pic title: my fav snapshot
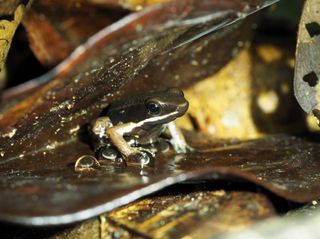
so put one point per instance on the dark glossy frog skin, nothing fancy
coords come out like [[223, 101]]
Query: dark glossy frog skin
[[140, 120]]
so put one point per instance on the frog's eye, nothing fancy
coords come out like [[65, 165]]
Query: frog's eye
[[153, 107]]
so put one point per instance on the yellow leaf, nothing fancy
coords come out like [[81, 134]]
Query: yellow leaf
[[7, 30]]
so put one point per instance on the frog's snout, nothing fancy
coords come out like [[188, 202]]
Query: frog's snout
[[183, 107]]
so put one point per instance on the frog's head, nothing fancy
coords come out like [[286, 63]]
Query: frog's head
[[165, 106], [159, 107]]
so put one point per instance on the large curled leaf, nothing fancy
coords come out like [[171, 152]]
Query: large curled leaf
[[173, 44], [45, 189], [144, 51]]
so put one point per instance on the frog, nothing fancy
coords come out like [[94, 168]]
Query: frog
[[133, 124]]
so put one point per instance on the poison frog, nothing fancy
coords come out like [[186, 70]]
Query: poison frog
[[131, 123]]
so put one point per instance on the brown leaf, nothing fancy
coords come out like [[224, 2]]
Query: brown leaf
[[43, 135], [55, 27], [144, 51], [44, 188]]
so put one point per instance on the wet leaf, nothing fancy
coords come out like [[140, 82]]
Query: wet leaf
[[200, 211], [34, 189], [144, 51]]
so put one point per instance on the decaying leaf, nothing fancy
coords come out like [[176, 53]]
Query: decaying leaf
[[307, 71], [8, 28], [68, 23], [190, 210], [140, 4], [199, 214], [202, 214]]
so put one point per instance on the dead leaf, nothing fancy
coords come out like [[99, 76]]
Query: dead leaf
[[7, 30], [307, 71]]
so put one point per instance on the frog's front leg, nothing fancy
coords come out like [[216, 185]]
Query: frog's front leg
[[98, 130], [116, 136], [177, 139]]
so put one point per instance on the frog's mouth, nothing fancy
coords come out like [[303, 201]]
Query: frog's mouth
[[182, 108]]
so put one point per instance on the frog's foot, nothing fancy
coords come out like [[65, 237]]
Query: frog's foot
[[181, 148], [150, 149], [142, 158], [177, 140]]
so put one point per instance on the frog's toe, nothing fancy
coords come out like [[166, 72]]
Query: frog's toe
[[189, 149], [182, 149]]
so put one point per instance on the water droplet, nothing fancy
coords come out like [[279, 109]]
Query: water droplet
[[143, 159], [86, 163], [110, 155]]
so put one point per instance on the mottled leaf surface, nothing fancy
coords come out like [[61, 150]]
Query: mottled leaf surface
[[307, 70]]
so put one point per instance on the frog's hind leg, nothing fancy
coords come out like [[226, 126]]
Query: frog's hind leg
[[116, 133]]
